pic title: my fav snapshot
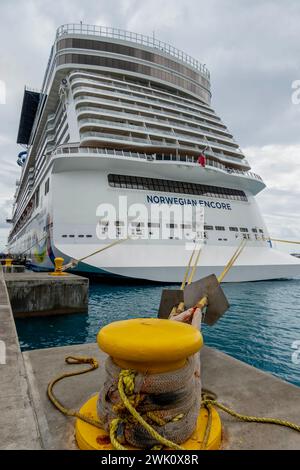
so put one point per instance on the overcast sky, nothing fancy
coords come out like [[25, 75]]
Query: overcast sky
[[251, 48]]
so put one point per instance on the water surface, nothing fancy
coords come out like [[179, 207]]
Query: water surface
[[259, 328]]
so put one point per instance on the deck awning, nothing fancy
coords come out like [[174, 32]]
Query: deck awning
[[31, 100]]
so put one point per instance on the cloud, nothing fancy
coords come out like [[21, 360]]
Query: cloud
[[251, 48], [279, 166]]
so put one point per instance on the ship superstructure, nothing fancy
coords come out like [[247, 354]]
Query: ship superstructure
[[123, 114]]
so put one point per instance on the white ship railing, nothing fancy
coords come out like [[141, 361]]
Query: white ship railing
[[116, 33], [127, 115], [71, 150], [155, 130]]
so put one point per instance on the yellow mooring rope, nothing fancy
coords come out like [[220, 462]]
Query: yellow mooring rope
[[68, 411], [252, 419], [75, 262], [126, 385], [284, 241], [126, 391]]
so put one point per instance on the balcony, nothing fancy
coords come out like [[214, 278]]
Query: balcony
[[92, 93], [69, 150], [127, 90], [145, 120], [156, 132], [155, 112]]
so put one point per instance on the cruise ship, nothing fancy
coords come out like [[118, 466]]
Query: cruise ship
[[122, 115]]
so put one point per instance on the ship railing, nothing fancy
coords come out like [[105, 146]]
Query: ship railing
[[84, 77], [148, 41], [145, 130], [168, 108], [156, 130], [71, 150], [143, 108], [152, 100]]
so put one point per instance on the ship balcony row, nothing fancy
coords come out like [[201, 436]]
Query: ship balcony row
[[130, 91], [90, 127], [66, 150], [89, 92], [91, 138], [89, 77], [146, 125], [88, 102], [182, 124]]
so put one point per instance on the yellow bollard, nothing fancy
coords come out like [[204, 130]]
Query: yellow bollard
[[8, 262], [58, 267], [152, 346]]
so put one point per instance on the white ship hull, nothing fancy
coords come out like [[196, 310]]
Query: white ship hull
[[68, 216]]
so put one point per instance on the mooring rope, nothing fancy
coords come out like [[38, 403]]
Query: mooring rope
[[126, 389], [176, 310], [284, 241], [75, 262], [68, 411], [32, 246]]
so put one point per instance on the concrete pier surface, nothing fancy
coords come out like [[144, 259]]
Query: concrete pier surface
[[33, 294], [245, 389], [18, 425]]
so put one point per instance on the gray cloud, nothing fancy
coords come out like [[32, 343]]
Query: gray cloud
[[250, 46]]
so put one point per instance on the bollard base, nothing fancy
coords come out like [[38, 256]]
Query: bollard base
[[89, 437], [58, 274]]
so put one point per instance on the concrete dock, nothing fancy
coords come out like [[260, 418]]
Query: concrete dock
[[29, 421], [14, 268], [239, 386], [18, 424], [33, 294]]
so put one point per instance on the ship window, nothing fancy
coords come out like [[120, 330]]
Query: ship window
[[171, 225], [37, 197], [261, 231], [143, 69], [47, 187], [170, 186], [153, 224], [64, 236], [187, 226], [137, 224], [219, 227], [233, 229], [80, 236], [89, 236], [254, 230], [243, 229], [71, 236], [208, 227]]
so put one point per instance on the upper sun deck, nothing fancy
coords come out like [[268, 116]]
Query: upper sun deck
[[131, 54], [141, 39]]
